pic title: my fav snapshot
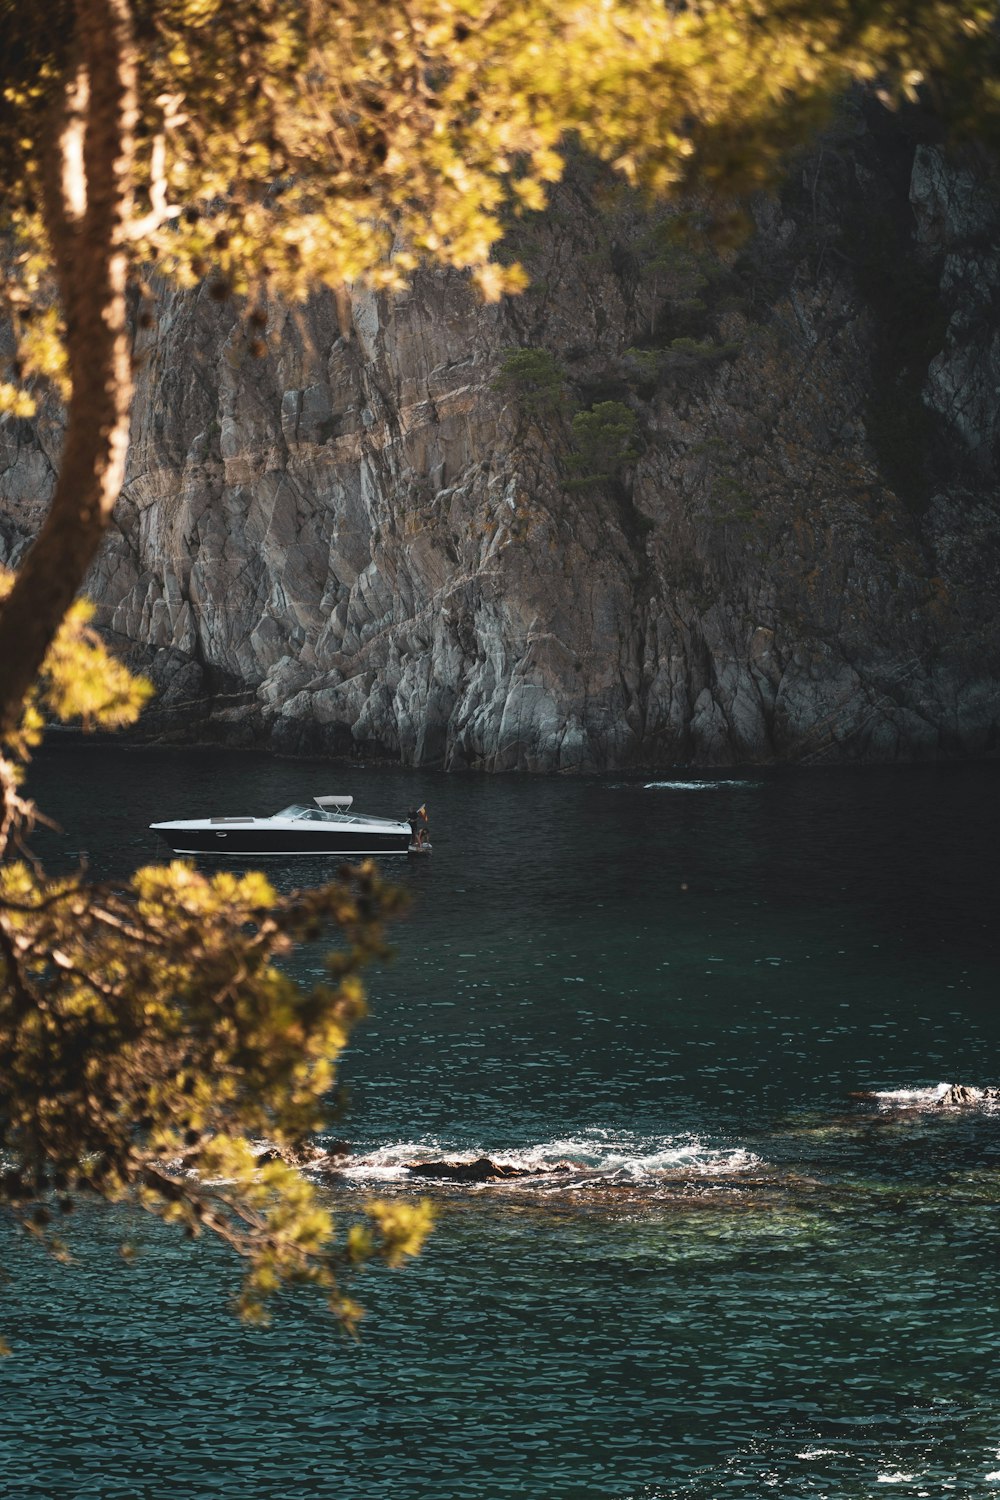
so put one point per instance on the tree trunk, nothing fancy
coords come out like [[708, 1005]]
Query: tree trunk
[[86, 202]]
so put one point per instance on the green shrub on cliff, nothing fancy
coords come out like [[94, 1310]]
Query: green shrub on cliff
[[682, 356], [604, 441], [535, 377]]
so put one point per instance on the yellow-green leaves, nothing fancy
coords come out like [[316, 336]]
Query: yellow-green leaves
[[14, 401], [80, 680], [403, 1227], [300, 144]]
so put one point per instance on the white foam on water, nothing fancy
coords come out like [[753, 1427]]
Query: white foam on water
[[911, 1098], [388, 1163], [603, 1154], [620, 1153], [694, 786], [897, 1478], [821, 1453], [930, 1098]]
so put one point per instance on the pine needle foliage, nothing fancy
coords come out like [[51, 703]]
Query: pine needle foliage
[[286, 144], [605, 439], [535, 379]]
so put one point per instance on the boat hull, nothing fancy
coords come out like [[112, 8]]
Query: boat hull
[[260, 843]]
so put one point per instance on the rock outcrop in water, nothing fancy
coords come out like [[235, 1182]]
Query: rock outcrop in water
[[360, 544], [962, 1096], [483, 1169], [305, 1156], [946, 1096]]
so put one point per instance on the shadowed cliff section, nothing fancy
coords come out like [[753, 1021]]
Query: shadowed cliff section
[[369, 542]]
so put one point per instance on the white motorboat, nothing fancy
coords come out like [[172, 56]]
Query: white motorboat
[[328, 827]]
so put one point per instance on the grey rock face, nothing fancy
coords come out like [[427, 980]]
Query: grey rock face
[[359, 543]]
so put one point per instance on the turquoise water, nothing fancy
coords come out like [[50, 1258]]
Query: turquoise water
[[751, 1284]]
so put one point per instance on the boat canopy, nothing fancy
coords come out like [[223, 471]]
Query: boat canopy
[[339, 804]]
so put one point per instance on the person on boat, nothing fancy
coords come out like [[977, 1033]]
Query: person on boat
[[418, 825]]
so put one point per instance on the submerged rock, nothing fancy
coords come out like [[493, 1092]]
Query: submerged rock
[[304, 1155], [484, 1169]]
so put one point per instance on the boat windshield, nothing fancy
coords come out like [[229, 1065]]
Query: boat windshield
[[301, 811]]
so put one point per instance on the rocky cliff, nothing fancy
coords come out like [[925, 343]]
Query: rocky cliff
[[776, 537]]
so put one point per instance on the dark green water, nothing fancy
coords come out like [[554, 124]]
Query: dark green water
[[751, 1286]]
